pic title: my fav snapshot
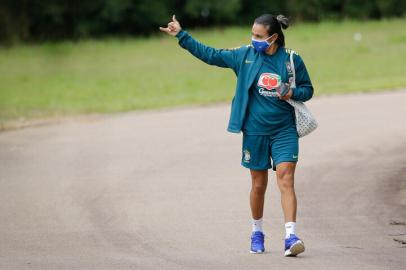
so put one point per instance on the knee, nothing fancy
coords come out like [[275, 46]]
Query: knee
[[285, 181], [259, 188], [259, 183]]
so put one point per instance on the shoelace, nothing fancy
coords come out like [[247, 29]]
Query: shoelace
[[257, 238]]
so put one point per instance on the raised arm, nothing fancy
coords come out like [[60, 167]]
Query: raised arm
[[226, 58]]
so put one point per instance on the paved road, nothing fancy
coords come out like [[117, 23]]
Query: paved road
[[164, 190]]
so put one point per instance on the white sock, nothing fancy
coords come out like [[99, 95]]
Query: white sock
[[290, 228], [257, 225]]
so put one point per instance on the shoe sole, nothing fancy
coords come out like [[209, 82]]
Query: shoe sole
[[295, 249], [257, 252]]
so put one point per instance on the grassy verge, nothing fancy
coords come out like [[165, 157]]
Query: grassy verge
[[120, 75]]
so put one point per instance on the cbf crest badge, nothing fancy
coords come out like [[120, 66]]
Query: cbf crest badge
[[289, 67], [247, 156]]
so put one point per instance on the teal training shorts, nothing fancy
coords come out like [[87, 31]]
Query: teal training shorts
[[262, 152]]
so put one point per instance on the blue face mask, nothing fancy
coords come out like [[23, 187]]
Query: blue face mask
[[261, 45]]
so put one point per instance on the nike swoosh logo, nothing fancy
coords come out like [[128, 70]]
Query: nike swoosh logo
[[294, 156], [248, 61]]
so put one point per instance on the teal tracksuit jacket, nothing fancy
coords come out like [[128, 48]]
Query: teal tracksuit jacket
[[246, 62]]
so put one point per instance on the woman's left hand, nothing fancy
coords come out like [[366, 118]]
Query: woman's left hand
[[287, 96]]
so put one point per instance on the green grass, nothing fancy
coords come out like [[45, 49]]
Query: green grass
[[119, 75]]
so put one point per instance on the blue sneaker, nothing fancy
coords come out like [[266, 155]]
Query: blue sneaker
[[293, 246], [257, 242]]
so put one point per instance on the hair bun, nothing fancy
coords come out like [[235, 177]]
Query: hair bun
[[283, 21]]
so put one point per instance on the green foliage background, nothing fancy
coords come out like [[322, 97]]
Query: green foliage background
[[38, 20], [113, 75]]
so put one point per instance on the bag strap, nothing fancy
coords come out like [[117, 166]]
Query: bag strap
[[292, 65]]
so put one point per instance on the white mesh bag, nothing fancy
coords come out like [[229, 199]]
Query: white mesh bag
[[305, 121]]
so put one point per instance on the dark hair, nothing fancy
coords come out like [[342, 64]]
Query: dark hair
[[274, 24]]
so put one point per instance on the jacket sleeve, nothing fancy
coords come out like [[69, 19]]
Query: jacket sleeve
[[304, 88], [226, 58]]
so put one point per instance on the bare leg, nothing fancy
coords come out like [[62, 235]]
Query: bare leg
[[285, 172], [257, 195]]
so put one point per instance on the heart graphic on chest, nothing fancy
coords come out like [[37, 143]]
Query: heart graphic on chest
[[269, 81]]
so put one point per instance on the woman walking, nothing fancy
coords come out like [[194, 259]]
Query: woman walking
[[260, 112]]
